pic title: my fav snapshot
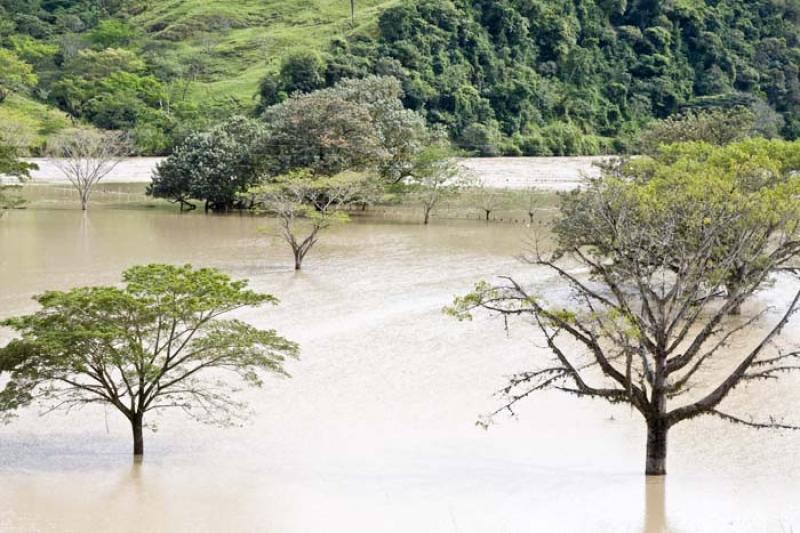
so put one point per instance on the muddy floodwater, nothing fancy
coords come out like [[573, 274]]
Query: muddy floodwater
[[375, 431]]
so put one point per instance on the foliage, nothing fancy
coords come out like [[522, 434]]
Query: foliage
[[644, 251], [306, 205], [11, 167], [302, 72], [753, 183], [716, 126], [158, 342], [355, 125], [436, 176], [604, 68], [15, 74], [584, 74], [213, 166]]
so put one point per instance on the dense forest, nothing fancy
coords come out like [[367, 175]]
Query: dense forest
[[533, 77]]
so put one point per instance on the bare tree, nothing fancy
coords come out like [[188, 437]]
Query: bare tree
[[643, 327], [87, 156], [488, 200], [305, 206], [531, 201]]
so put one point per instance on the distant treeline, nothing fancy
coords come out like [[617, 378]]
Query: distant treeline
[[532, 77], [555, 77]]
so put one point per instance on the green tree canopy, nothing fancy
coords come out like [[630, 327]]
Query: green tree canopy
[[213, 166], [357, 124], [644, 251], [158, 342]]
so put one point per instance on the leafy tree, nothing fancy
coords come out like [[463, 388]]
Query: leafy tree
[[305, 205], [604, 68], [356, 125], [481, 139], [213, 166], [158, 342], [15, 74], [716, 126], [112, 33], [643, 326], [759, 173], [302, 72]]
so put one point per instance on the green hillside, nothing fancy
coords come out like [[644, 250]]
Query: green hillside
[[241, 40], [533, 77], [32, 120]]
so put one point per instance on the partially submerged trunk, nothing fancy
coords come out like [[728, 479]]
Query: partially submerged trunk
[[656, 459], [137, 425], [733, 287], [733, 292], [427, 215], [298, 259]]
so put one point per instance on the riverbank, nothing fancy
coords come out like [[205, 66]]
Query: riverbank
[[513, 173]]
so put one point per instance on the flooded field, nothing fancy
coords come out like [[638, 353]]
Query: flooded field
[[376, 429]]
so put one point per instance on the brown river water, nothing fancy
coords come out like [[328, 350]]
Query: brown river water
[[375, 431]]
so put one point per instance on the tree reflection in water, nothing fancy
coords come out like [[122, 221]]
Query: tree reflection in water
[[655, 517]]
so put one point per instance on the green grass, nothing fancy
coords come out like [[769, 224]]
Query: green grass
[[32, 119], [240, 40]]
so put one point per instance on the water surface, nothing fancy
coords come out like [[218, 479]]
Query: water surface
[[375, 432]]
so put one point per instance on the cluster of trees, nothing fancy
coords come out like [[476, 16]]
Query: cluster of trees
[[311, 155], [559, 78], [673, 245]]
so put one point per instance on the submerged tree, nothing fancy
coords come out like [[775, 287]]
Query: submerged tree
[[305, 206], [159, 342], [214, 166], [763, 171], [435, 176], [644, 327], [487, 200], [87, 156]]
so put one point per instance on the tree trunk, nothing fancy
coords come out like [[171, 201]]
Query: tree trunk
[[427, 216], [138, 436], [733, 287], [733, 293], [298, 260], [84, 201], [656, 464]]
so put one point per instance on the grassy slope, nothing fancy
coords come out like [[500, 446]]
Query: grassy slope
[[243, 39], [31, 118]]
